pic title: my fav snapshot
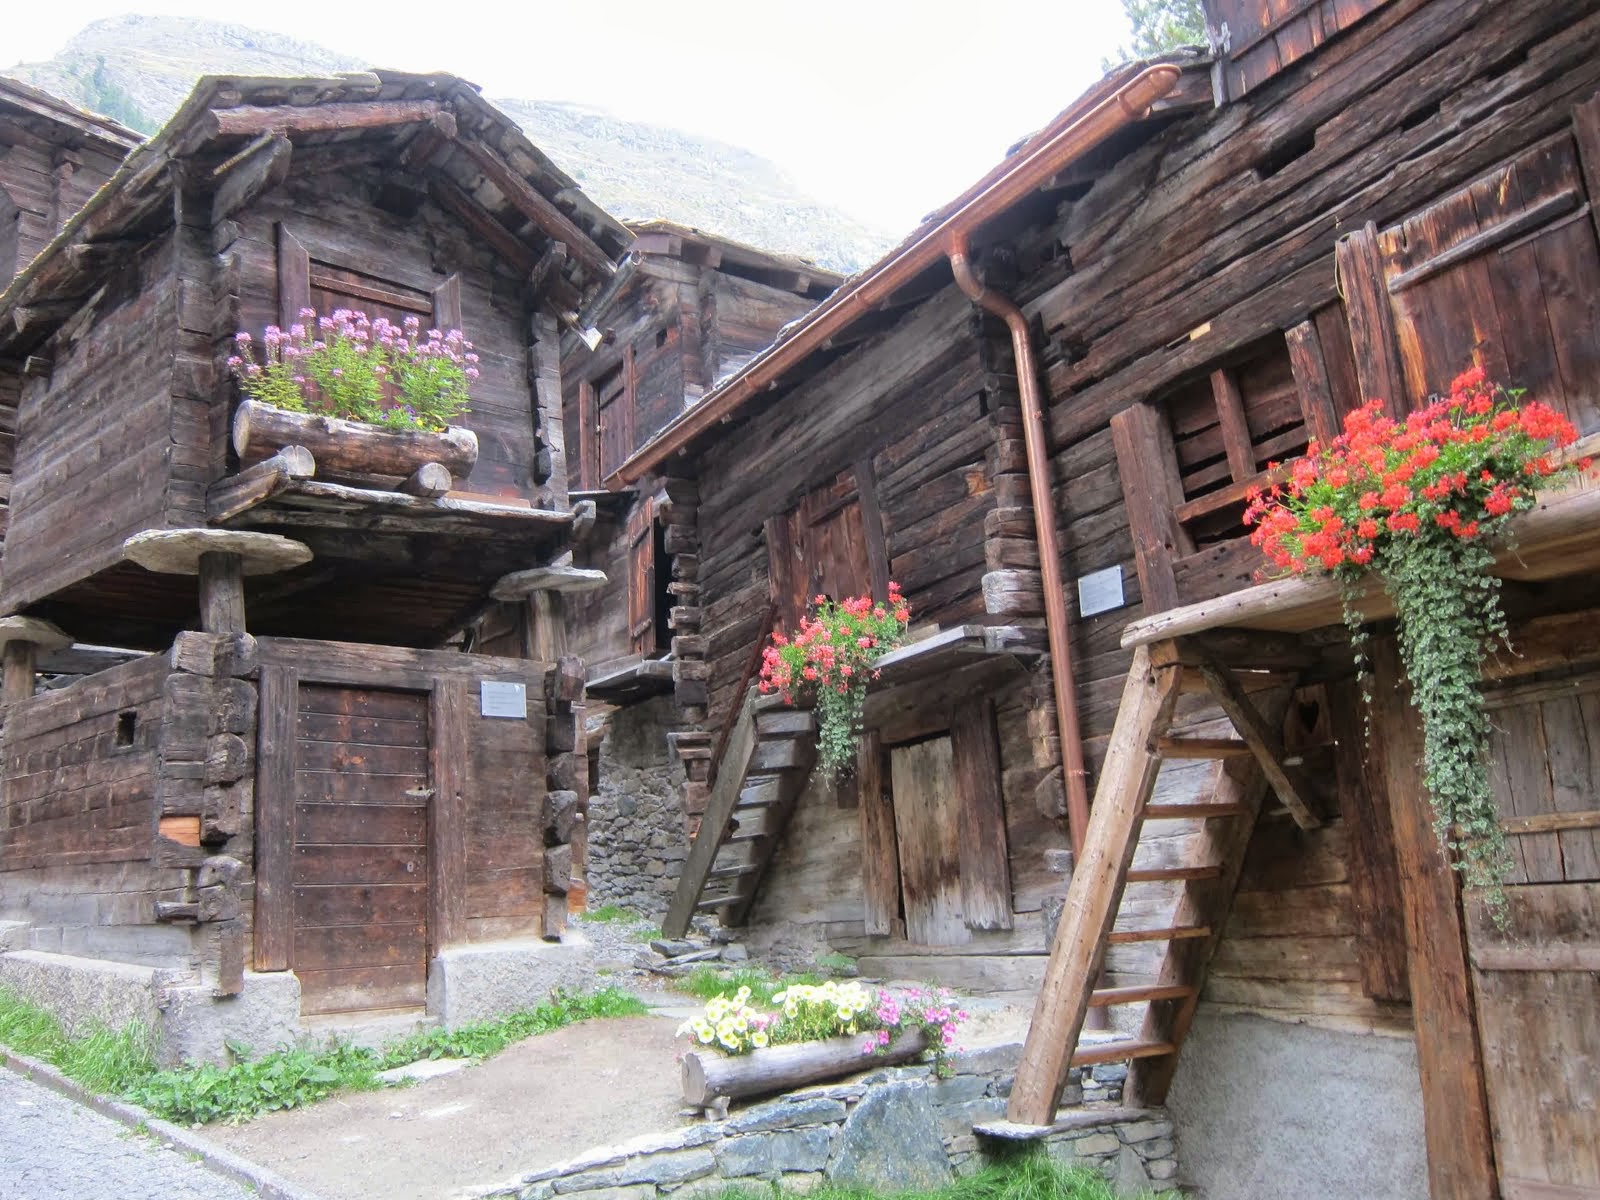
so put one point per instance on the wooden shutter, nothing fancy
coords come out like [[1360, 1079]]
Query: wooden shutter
[[294, 277], [614, 418], [642, 579], [1500, 274], [1265, 36]]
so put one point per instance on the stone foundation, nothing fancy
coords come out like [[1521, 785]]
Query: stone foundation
[[637, 836], [886, 1130]]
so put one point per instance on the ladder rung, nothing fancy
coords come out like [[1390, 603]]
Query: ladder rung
[[1105, 997], [753, 835], [719, 902], [1181, 812], [733, 872], [1120, 1051], [1182, 747], [1171, 933], [1158, 874]]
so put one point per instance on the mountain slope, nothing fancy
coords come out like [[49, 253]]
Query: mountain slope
[[138, 69]]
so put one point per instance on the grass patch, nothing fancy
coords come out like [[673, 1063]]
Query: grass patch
[[1029, 1175], [122, 1064], [708, 982], [612, 914]]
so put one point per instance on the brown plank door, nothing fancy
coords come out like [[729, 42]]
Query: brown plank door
[[360, 849], [1501, 274], [927, 823], [1537, 980]]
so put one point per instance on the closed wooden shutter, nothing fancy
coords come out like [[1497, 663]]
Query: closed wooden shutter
[[642, 579], [1501, 274], [1265, 36]]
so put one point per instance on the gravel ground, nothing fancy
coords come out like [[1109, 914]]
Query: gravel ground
[[55, 1149]]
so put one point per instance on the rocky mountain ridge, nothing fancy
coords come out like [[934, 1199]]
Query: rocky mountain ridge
[[138, 69]]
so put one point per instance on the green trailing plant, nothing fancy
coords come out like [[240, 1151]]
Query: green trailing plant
[[828, 663], [1422, 503]]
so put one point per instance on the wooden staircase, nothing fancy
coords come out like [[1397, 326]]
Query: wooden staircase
[[1246, 767], [767, 760]]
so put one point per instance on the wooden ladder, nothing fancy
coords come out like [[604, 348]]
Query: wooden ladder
[[1247, 766], [763, 769]]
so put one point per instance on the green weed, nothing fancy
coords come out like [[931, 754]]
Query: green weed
[[612, 914], [708, 982], [1025, 1176], [122, 1063]]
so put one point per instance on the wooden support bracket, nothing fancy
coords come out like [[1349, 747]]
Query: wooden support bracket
[[1288, 781]]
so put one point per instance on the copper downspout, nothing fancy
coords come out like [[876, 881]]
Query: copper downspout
[[1044, 517]]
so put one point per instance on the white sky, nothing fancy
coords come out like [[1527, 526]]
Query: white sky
[[884, 108]]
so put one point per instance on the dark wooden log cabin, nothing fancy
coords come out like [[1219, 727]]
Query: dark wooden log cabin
[[53, 157], [292, 776], [685, 310], [1338, 202]]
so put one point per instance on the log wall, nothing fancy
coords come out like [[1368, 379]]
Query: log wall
[[80, 818], [95, 444]]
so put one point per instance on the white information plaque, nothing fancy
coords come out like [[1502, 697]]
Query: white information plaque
[[1100, 591], [503, 699]]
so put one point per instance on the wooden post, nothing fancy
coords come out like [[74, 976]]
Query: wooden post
[[20, 658], [547, 626], [1455, 1109], [221, 593]]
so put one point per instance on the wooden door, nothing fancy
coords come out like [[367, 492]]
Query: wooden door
[[832, 545], [1537, 981], [927, 820], [1501, 274], [360, 849]]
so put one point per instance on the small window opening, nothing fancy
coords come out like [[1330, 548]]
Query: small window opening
[[127, 726], [1282, 156], [1420, 116], [661, 337]]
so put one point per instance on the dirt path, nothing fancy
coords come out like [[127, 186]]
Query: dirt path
[[542, 1100]]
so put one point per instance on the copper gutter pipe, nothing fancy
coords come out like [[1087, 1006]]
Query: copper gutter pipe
[[1056, 617], [1072, 134]]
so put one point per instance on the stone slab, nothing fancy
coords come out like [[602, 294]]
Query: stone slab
[[891, 1142]]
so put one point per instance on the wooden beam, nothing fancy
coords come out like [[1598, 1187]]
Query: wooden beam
[[1147, 465], [1359, 269], [1290, 784], [253, 172], [1310, 367], [1235, 428], [20, 659], [527, 200], [1455, 1109], [450, 757], [316, 118], [234, 494], [453, 200], [1565, 956], [1130, 769]]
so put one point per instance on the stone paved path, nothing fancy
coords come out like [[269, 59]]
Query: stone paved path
[[54, 1149]]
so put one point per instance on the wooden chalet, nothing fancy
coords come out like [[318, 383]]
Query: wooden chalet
[[1040, 415], [302, 786], [685, 310]]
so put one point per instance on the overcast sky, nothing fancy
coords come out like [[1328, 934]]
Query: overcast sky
[[885, 108]]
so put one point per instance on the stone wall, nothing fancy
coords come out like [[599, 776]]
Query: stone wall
[[637, 837], [886, 1130], [1268, 1109]]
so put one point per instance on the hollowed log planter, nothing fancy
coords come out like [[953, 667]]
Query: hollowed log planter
[[343, 447], [709, 1075]]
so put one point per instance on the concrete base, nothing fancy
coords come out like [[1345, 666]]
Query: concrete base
[[85, 992], [490, 979], [197, 1024], [1266, 1109]]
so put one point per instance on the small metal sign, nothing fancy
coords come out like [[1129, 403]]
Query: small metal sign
[[1100, 591], [503, 699]]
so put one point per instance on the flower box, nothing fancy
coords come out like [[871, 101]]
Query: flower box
[[343, 447], [710, 1077]]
